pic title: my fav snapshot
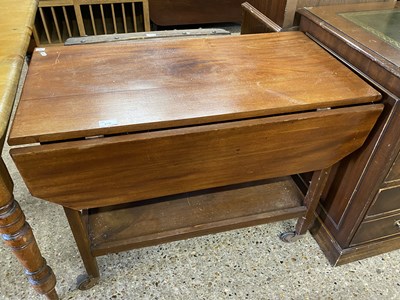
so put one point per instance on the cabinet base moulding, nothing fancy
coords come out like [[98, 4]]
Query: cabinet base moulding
[[339, 256]]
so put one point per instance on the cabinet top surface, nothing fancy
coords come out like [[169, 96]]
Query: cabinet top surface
[[82, 91], [373, 25]]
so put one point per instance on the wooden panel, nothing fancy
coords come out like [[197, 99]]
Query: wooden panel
[[394, 173], [168, 83], [273, 9], [386, 201], [377, 229], [134, 167], [179, 12], [256, 22], [279, 14], [114, 229], [367, 165]]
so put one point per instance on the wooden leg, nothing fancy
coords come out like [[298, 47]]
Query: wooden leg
[[18, 235], [78, 227], [311, 200]]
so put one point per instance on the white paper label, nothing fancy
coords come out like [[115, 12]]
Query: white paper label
[[108, 123]]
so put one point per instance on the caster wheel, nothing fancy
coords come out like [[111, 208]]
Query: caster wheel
[[289, 237], [84, 282]]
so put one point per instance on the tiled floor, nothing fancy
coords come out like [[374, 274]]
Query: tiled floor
[[250, 263]]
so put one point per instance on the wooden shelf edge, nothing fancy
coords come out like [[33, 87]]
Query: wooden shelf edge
[[197, 230], [179, 217]]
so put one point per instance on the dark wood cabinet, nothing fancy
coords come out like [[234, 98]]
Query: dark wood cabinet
[[184, 12], [360, 215]]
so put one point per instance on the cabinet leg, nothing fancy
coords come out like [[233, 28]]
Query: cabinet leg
[[79, 230], [311, 200], [18, 235]]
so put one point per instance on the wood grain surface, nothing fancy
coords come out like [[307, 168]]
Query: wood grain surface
[[162, 84], [126, 168], [114, 229], [333, 16], [15, 28]]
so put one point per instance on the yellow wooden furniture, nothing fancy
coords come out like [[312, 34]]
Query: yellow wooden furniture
[[15, 31]]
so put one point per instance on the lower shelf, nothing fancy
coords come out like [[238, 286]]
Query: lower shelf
[[151, 222]]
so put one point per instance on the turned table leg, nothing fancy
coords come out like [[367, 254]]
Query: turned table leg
[[18, 235]]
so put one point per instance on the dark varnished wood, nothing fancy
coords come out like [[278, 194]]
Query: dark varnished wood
[[387, 201], [188, 117], [333, 15], [358, 180], [276, 10], [339, 256], [79, 228], [178, 12], [347, 211], [393, 176], [317, 185], [182, 12], [376, 229], [108, 171], [144, 86], [255, 21], [379, 60], [337, 202], [214, 210]]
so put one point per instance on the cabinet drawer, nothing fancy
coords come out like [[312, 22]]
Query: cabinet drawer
[[377, 229], [386, 200], [394, 173]]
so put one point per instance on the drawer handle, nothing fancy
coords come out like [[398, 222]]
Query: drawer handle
[[397, 224]]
